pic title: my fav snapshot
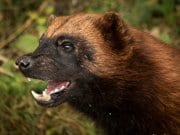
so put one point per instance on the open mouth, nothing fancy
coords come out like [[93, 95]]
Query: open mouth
[[53, 88]]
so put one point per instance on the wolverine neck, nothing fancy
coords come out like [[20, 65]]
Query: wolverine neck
[[128, 105], [118, 112]]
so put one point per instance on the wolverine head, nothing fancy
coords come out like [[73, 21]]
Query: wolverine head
[[75, 54]]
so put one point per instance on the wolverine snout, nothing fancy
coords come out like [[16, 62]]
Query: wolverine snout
[[24, 62]]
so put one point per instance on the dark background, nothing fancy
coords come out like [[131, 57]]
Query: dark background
[[21, 25]]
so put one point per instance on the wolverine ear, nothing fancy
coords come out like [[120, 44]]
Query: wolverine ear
[[114, 28], [50, 19]]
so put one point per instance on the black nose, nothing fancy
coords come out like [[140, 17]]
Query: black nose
[[24, 62]]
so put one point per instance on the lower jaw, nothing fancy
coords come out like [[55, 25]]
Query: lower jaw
[[51, 103], [56, 99], [54, 92]]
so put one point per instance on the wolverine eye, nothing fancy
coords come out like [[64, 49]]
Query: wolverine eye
[[67, 46]]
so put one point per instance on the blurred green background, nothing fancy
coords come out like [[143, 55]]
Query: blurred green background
[[21, 25]]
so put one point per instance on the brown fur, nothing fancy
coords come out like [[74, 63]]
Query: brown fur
[[144, 70]]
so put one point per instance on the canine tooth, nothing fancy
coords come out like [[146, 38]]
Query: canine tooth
[[42, 97], [36, 95]]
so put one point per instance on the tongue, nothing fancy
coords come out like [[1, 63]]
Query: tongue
[[52, 85]]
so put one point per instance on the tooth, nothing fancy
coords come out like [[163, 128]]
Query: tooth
[[42, 97], [62, 87], [29, 79], [67, 84], [44, 93], [35, 95], [56, 90], [53, 91], [45, 90], [46, 96]]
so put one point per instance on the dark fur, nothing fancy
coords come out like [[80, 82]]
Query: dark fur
[[126, 80]]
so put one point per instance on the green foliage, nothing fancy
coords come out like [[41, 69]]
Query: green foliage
[[144, 13], [103, 6], [19, 113], [165, 37], [26, 42]]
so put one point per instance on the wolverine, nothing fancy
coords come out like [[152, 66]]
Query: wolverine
[[124, 79]]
